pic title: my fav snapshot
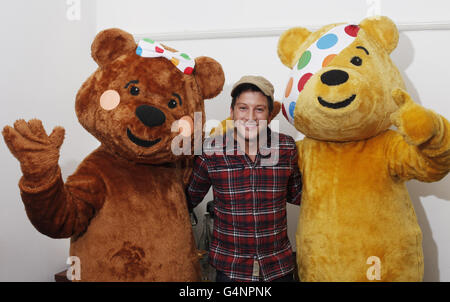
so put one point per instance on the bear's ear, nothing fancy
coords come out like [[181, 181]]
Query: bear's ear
[[209, 76], [383, 30], [110, 44], [289, 43], [276, 109]]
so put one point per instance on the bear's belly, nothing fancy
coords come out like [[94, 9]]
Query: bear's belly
[[354, 219], [142, 233]]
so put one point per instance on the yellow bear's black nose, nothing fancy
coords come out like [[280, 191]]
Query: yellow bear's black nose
[[334, 77], [150, 116]]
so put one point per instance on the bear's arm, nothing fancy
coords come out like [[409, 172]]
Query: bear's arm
[[427, 162], [61, 210], [299, 145]]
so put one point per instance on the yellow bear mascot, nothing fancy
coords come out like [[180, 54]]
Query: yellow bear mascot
[[357, 222]]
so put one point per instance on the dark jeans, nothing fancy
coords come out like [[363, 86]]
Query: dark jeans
[[221, 277]]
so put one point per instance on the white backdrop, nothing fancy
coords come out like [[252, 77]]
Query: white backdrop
[[40, 79]]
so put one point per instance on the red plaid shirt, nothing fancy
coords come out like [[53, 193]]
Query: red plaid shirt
[[250, 224]]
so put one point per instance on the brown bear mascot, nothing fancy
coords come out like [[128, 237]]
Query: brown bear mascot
[[124, 207]]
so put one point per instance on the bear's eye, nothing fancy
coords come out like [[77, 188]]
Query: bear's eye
[[134, 90], [172, 104], [356, 61]]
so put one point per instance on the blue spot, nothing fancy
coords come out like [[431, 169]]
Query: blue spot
[[138, 50], [291, 108], [327, 41]]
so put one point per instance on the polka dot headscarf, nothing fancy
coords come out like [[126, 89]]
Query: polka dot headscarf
[[151, 49], [317, 56]]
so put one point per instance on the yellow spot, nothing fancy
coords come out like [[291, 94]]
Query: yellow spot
[[175, 61]]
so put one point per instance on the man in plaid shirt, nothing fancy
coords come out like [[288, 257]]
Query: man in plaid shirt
[[251, 184]]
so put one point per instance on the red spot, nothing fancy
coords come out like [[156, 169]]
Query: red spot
[[303, 81], [160, 50], [284, 111], [188, 70], [352, 30]]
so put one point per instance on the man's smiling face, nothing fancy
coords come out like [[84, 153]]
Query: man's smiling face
[[250, 114]]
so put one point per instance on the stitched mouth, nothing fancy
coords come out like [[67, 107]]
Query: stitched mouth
[[337, 105], [141, 142]]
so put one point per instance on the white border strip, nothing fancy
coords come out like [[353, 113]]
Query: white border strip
[[268, 32]]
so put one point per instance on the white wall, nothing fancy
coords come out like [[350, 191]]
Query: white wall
[[41, 81], [44, 59], [156, 16]]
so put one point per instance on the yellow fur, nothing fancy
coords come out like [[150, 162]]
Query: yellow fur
[[355, 204]]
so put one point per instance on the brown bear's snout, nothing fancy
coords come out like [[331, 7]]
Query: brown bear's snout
[[150, 116], [334, 77]]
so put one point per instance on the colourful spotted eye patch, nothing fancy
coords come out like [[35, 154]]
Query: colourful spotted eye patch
[[317, 56]]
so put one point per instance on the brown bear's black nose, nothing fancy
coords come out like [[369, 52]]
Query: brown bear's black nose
[[334, 77], [150, 116]]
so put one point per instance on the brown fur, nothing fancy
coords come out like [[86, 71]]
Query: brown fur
[[124, 207]]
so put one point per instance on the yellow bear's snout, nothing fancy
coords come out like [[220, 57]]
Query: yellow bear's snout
[[337, 105], [336, 88], [334, 77]]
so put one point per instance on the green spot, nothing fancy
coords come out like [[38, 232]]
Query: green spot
[[304, 60], [185, 56], [148, 40]]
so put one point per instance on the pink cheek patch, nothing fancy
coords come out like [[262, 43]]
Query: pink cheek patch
[[184, 126], [109, 99]]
